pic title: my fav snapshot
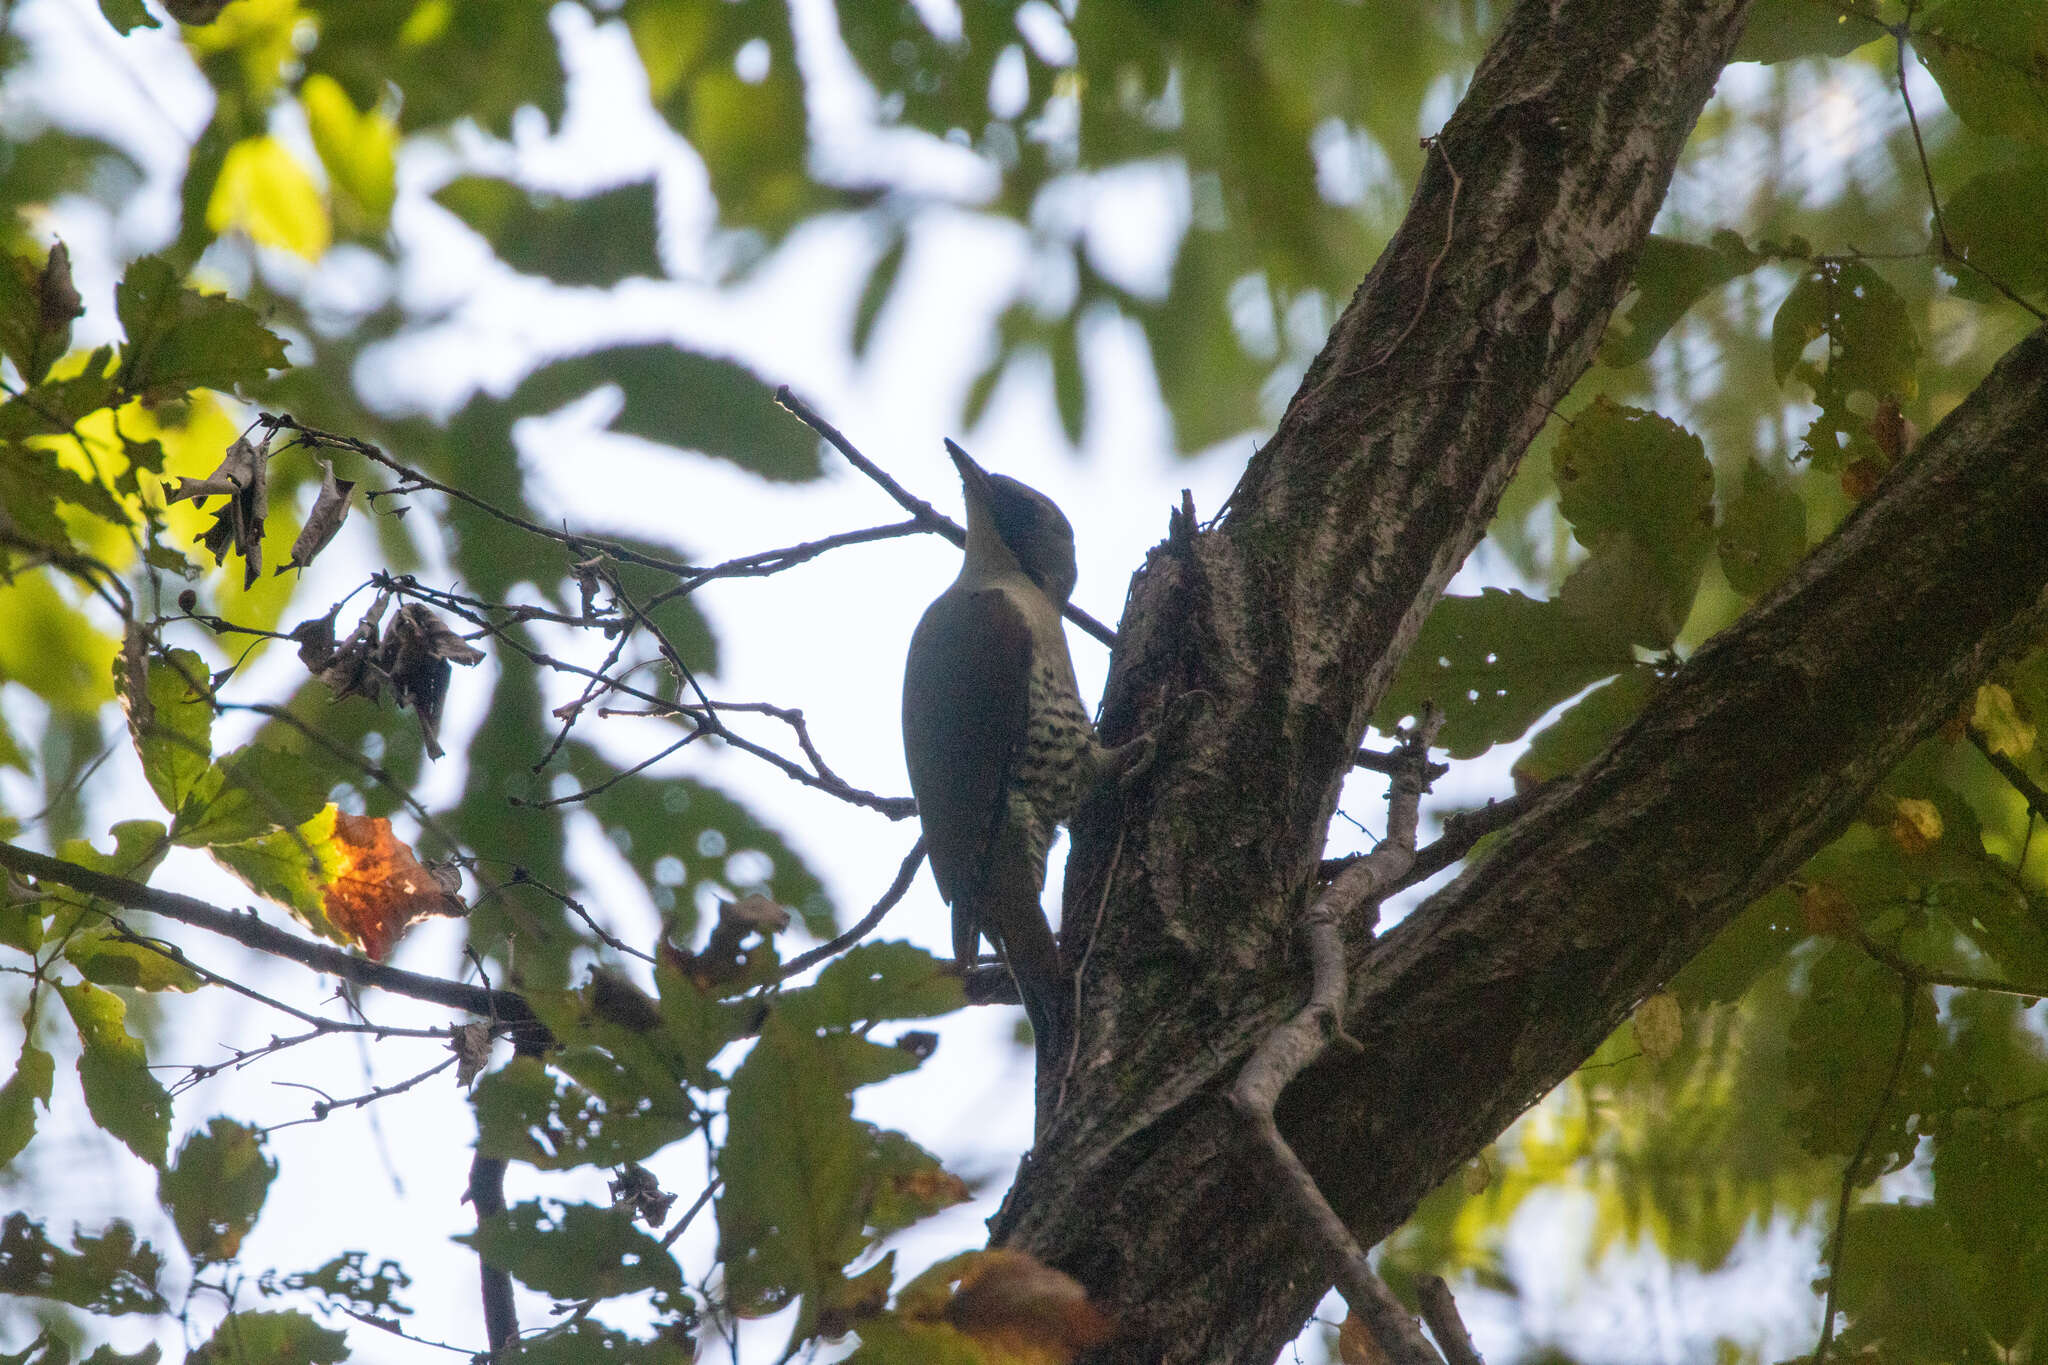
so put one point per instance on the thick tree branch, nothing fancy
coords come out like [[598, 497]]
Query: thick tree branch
[[1293, 616]]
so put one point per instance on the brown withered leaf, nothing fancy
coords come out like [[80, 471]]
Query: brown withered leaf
[[351, 670], [472, 1048], [1824, 909], [1355, 1345], [330, 509], [724, 958], [635, 1187], [243, 478], [57, 299], [1018, 1308], [315, 635], [415, 656], [381, 887]]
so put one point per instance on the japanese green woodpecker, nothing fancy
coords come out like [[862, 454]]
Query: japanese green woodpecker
[[999, 748]]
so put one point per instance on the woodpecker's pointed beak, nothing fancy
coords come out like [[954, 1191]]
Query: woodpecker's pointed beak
[[972, 476]]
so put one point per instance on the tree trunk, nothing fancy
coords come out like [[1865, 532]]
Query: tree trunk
[[1293, 614]]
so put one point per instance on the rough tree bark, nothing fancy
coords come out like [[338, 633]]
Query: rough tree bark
[[1293, 613]]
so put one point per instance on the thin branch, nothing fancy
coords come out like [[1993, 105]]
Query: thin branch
[[923, 513], [252, 932], [867, 923], [1440, 1311], [1913, 972], [1293, 1045], [1462, 829], [2036, 795], [327, 1104], [1909, 997]]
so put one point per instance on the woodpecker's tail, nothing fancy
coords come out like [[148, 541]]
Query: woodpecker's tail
[[1007, 910]]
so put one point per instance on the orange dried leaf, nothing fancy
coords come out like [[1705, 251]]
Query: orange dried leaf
[[381, 888], [1355, 1345], [1020, 1311]]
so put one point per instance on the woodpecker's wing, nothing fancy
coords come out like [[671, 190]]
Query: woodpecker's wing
[[966, 701]]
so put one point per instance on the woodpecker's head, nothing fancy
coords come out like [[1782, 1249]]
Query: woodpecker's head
[[1021, 521]]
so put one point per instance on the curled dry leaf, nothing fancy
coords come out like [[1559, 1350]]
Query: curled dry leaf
[[243, 478], [1355, 1345], [57, 298], [330, 509], [1018, 1309], [381, 888], [635, 1187], [472, 1048], [415, 656]]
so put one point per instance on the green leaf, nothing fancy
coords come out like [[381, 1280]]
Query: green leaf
[[597, 240], [248, 793], [180, 339], [1988, 1174], [293, 867], [34, 1070], [1872, 345], [107, 960], [1991, 60], [170, 716], [139, 846], [346, 1283], [891, 1339], [271, 1339], [875, 981], [1494, 664], [127, 15], [107, 1355], [1783, 30], [1905, 1282], [462, 59], [683, 399], [523, 1113], [112, 1273], [1999, 221], [1763, 532], [796, 1167], [1584, 729], [867, 310], [216, 1188], [1626, 470], [752, 134], [1843, 1040], [120, 1093], [1671, 276], [575, 1251], [33, 481]]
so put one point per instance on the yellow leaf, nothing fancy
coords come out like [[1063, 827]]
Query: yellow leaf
[[1997, 718], [1659, 1026], [264, 191], [1916, 825], [359, 150]]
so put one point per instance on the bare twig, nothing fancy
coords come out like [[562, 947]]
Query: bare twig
[[1293, 1045], [2037, 797], [1462, 829], [1908, 998], [926, 516], [865, 926]]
